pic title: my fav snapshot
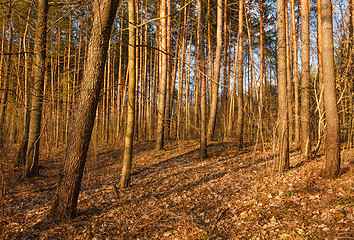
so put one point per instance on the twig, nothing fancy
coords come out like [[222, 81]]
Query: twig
[[116, 191], [217, 221]]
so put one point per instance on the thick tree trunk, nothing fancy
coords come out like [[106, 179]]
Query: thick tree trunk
[[65, 202], [332, 164], [162, 78], [305, 78], [5, 81], [128, 150], [215, 83], [283, 131], [38, 73], [239, 126]]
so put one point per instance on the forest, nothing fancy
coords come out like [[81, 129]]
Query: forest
[[165, 119]]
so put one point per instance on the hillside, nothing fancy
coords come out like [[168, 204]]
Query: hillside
[[175, 195]]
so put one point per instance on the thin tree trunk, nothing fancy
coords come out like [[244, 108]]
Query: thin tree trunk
[[216, 77], [58, 110], [320, 106], [203, 137], [261, 66], [21, 156], [225, 65], [187, 74], [289, 77], [128, 149], [332, 163], [169, 93], [210, 47], [65, 202], [233, 95], [2, 57], [294, 41], [305, 78], [120, 86], [283, 159], [239, 126]]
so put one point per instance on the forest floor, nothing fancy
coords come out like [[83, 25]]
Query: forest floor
[[175, 195]]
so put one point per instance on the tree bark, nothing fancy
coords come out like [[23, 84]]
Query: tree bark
[[38, 72], [128, 150], [332, 164], [283, 131], [65, 202]]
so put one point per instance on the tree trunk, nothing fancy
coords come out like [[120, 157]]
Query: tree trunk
[[38, 69], [5, 82], [215, 83], [128, 150], [21, 155], [332, 164], [201, 68], [261, 66], [169, 86], [305, 78], [283, 159], [289, 84], [65, 202], [294, 41], [320, 107], [162, 78], [239, 126]]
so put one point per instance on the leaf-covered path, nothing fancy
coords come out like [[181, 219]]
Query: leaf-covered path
[[175, 195]]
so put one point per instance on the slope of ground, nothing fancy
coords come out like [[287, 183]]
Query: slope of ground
[[175, 195]]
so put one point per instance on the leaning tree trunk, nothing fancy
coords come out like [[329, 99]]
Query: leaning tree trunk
[[283, 132], [128, 150], [332, 146], [65, 202], [305, 78], [216, 76], [38, 69]]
